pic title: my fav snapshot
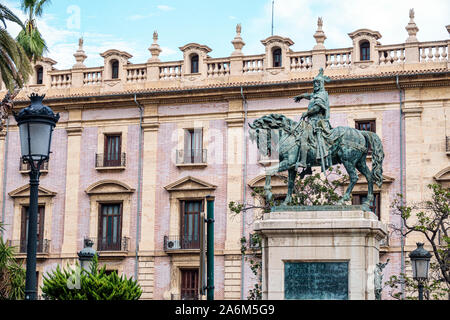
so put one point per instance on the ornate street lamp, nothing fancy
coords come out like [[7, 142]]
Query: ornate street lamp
[[87, 254], [420, 260], [36, 123]]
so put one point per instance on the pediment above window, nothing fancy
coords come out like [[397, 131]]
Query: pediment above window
[[196, 46], [189, 184], [24, 192], [260, 181], [443, 175], [109, 187]]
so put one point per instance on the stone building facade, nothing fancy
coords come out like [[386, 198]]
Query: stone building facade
[[139, 146]]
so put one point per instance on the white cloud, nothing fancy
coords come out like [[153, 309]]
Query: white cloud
[[163, 7], [297, 19]]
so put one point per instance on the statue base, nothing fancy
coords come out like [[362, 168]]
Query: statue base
[[320, 253]]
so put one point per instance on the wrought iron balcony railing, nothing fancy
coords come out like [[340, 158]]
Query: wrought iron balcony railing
[[447, 144], [25, 166], [181, 243], [111, 244], [43, 246], [110, 160], [191, 156]]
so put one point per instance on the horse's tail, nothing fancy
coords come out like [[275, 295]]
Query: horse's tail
[[377, 156]]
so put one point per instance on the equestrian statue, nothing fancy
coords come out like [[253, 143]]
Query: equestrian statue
[[314, 142]]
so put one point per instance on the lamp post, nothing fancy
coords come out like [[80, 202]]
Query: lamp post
[[36, 123], [420, 260], [86, 254]]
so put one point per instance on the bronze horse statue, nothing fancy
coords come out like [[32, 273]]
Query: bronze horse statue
[[348, 146]]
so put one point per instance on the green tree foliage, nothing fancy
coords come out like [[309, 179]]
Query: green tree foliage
[[30, 38], [429, 218], [315, 189], [15, 67], [79, 284], [12, 274]]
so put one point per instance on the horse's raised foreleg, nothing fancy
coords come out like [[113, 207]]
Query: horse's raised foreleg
[[351, 170], [291, 183]]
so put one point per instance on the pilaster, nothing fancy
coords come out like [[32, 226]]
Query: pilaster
[[149, 174], [70, 235], [235, 143]]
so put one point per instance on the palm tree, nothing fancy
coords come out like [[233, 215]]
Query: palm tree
[[12, 274], [30, 38], [15, 66]]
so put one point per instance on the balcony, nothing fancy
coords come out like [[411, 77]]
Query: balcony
[[110, 162], [42, 249], [181, 244], [192, 158], [109, 248], [24, 167]]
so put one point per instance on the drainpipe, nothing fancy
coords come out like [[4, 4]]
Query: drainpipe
[[402, 240], [139, 197], [5, 168], [244, 189]]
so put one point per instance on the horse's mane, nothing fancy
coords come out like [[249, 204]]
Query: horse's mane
[[274, 121]]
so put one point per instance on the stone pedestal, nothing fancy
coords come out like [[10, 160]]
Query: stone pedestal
[[328, 253]]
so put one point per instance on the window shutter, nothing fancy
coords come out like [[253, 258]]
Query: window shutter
[[23, 230]]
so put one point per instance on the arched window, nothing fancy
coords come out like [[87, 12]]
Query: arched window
[[114, 69], [39, 75], [194, 63], [277, 57], [365, 50]]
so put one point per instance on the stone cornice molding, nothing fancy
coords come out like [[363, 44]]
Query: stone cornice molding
[[74, 131]]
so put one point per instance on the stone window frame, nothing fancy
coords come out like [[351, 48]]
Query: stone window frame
[[110, 191], [102, 133], [181, 131], [21, 198]]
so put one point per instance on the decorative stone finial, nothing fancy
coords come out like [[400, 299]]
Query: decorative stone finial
[[237, 42], [412, 27], [319, 35], [154, 49], [80, 55], [448, 28]]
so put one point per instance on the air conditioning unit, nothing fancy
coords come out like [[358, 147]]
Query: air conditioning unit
[[173, 244]]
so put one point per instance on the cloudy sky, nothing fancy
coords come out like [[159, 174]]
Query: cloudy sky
[[129, 25]]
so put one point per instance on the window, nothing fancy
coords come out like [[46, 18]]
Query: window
[[366, 125], [39, 75], [190, 224], [110, 227], [277, 57], [114, 69], [194, 63], [24, 229], [189, 284], [193, 146], [375, 207], [113, 152], [365, 50]]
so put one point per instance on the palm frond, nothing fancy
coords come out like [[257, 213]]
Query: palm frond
[[7, 15]]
